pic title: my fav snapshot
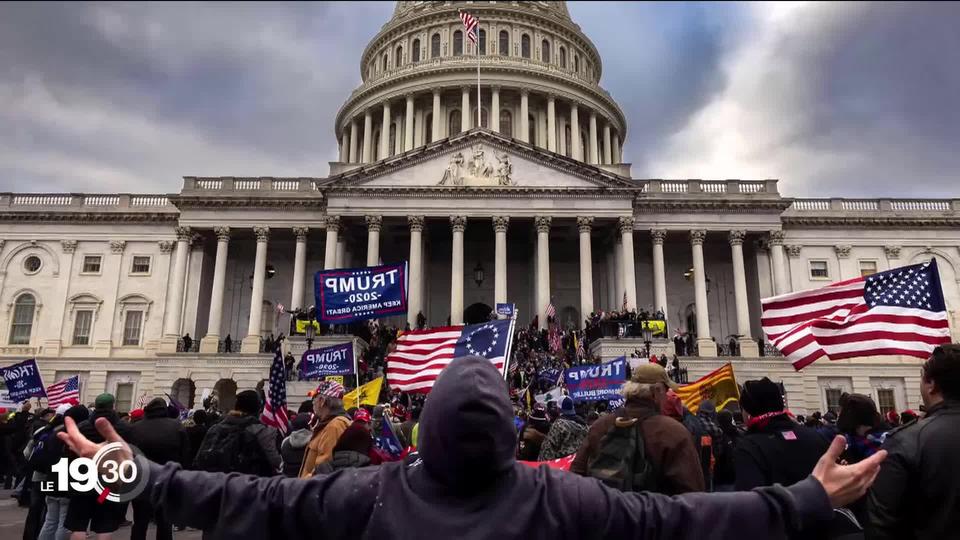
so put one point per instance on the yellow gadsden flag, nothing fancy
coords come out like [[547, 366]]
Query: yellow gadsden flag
[[719, 386], [367, 394]]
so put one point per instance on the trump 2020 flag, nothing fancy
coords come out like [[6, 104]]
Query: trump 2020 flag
[[23, 381], [899, 312]]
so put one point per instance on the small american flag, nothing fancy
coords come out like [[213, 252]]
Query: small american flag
[[624, 300], [898, 312], [275, 409], [470, 23], [62, 392], [551, 311]]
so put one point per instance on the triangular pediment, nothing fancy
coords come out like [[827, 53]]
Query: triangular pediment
[[481, 159]]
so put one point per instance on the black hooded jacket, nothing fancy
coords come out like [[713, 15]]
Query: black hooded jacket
[[160, 437], [465, 483]]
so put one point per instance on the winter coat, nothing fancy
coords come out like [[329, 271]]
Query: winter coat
[[266, 436], [343, 459], [465, 483], [292, 450], [195, 435], [532, 443], [320, 448], [160, 437], [780, 452], [917, 493], [564, 438]]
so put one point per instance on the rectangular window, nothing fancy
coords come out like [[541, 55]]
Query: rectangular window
[[833, 399], [867, 268], [131, 328], [81, 327], [141, 265], [22, 325], [886, 401], [124, 397], [818, 270], [91, 264]]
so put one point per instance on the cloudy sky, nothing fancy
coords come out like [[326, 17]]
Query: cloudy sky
[[833, 99]]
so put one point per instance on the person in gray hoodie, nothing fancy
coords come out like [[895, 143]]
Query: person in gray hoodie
[[294, 445], [466, 483]]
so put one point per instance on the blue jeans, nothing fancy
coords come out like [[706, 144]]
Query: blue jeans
[[53, 526]]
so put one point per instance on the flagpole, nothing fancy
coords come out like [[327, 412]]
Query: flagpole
[[477, 47]]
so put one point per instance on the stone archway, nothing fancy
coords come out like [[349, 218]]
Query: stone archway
[[477, 313], [226, 390], [690, 317], [569, 318], [184, 391]]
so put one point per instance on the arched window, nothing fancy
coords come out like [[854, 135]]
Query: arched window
[[22, 326], [483, 41], [415, 56], [532, 129], [454, 125], [428, 128], [525, 46], [458, 43], [545, 51], [483, 117], [435, 46], [504, 45], [563, 58], [385, 61], [567, 141], [376, 146], [584, 146], [393, 139], [398, 57], [506, 123], [576, 63]]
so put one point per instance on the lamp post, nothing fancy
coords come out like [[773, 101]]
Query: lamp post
[[478, 274]]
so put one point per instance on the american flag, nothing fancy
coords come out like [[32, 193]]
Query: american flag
[[898, 312], [551, 311], [624, 300], [421, 355], [62, 392], [275, 409], [470, 23]]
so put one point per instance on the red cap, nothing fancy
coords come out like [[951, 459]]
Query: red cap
[[136, 414], [362, 415]]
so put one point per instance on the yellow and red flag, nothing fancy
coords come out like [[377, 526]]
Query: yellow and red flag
[[720, 386]]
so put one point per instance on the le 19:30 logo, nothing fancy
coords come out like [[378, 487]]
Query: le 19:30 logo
[[113, 477]]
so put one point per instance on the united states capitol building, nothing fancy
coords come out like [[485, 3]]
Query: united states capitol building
[[532, 204]]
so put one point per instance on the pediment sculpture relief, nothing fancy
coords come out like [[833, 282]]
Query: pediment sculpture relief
[[477, 171]]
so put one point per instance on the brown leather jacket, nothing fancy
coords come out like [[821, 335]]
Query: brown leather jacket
[[667, 443]]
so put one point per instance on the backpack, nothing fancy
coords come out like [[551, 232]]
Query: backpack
[[44, 452], [621, 462], [231, 447]]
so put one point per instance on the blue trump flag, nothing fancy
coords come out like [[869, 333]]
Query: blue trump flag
[[332, 360], [23, 381], [596, 382], [346, 295]]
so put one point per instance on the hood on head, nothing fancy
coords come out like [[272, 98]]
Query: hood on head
[[157, 408], [466, 434]]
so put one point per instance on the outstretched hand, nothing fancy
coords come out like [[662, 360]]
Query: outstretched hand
[[845, 484], [84, 447]]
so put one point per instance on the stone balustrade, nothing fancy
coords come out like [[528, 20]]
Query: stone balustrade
[[193, 184], [840, 205], [99, 201]]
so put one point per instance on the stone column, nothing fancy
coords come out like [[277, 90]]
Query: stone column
[[575, 151], [594, 158], [373, 239], [495, 109], [458, 223], [543, 267], [629, 263], [299, 267], [657, 236], [551, 123], [174, 307], [408, 125], [354, 132], [781, 286], [618, 273], [211, 342], [500, 225], [398, 140], [617, 158], [341, 252], [330, 247], [611, 278], [251, 343], [344, 146], [707, 347], [385, 132], [748, 347], [435, 130], [415, 291], [562, 135], [584, 224], [464, 109], [524, 116], [367, 136], [607, 155]]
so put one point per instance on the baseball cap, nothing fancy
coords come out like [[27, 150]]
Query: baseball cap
[[62, 408], [104, 401], [362, 415], [651, 374], [331, 389]]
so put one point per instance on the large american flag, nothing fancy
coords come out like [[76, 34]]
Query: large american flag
[[421, 355], [897, 312], [64, 391], [470, 23], [275, 409]]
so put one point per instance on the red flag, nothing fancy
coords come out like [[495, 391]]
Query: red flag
[[562, 464]]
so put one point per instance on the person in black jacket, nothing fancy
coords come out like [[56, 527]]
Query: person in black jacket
[[294, 445], [57, 502], [775, 449], [162, 439], [917, 493], [466, 483]]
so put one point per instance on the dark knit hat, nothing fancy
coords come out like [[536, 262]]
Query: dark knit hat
[[760, 397], [301, 421], [248, 402], [858, 410], [566, 407], [79, 413]]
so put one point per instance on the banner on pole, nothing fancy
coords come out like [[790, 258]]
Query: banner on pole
[[346, 295], [332, 360], [596, 382], [23, 380]]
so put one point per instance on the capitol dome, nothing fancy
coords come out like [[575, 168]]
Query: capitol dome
[[539, 74]]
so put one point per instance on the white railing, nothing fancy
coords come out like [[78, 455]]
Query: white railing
[[673, 186], [41, 200], [101, 200], [286, 185], [862, 206], [209, 183], [713, 187], [751, 187], [148, 200], [246, 184], [923, 206], [811, 204]]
